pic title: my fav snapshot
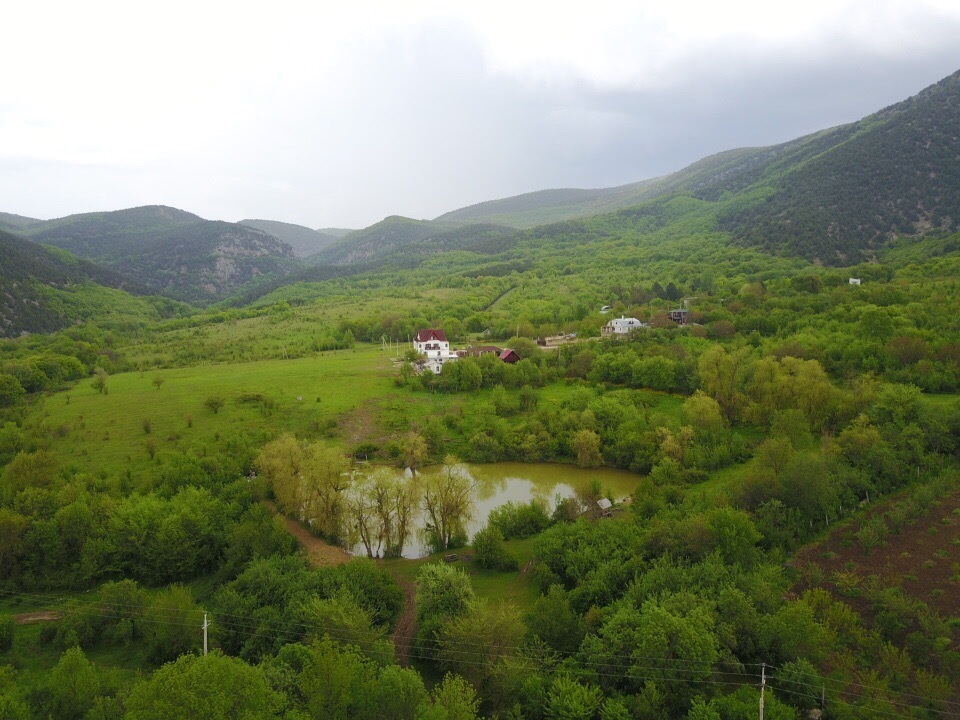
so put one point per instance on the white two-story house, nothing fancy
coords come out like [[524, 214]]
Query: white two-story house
[[435, 348]]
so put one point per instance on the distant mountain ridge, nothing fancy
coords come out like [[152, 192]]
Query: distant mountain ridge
[[835, 196], [171, 251], [388, 234], [303, 240], [708, 178], [15, 223], [396, 237]]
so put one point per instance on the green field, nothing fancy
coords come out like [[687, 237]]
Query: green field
[[307, 396]]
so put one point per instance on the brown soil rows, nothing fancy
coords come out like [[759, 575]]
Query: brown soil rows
[[923, 558]]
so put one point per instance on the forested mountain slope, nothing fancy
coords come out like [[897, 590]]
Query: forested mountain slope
[[835, 196], [171, 251], [42, 290], [17, 223], [896, 172], [396, 238], [709, 178]]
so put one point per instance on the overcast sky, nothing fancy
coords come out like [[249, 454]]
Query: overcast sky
[[338, 114]]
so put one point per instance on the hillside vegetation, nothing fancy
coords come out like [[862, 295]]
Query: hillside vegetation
[[170, 251], [43, 289], [15, 223], [894, 173], [836, 196]]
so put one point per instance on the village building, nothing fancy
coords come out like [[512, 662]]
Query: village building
[[681, 316], [622, 326], [854, 281], [435, 348], [509, 356], [478, 350]]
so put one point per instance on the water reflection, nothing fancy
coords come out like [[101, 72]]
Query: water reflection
[[499, 483]]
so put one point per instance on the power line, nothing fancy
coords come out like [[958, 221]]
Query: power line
[[841, 685], [669, 670], [243, 623]]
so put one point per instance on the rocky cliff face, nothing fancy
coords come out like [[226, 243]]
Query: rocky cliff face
[[172, 252]]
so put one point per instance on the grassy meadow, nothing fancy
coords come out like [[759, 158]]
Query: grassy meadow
[[307, 396]]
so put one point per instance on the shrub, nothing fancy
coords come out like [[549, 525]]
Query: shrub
[[47, 634], [517, 520], [7, 629], [76, 630], [10, 390], [172, 622], [214, 403], [490, 551], [872, 533]]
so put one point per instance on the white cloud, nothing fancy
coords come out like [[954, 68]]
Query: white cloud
[[338, 114]]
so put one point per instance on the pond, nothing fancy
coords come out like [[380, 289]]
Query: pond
[[500, 483]]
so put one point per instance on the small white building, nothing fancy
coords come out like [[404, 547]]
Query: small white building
[[435, 348], [621, 326], [854, 281]]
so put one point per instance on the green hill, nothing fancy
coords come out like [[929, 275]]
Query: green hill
[[336, 232], [389, 234], [835, 196], [549, 206], [17, 223], [171, 251], [303, 240], [44, 289], [895, 173]]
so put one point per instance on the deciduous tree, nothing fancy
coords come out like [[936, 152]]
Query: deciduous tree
[[448, 499], [210, 686]]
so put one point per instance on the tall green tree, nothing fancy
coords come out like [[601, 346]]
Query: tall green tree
[[210, 686], [448, 500], [173, 623], [73, 685]]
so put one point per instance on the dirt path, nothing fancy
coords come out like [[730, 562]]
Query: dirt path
[[320, 552], [406, 625], [36, 617], [323, 554]]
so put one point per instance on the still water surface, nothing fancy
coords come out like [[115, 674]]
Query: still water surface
[[500, 483]]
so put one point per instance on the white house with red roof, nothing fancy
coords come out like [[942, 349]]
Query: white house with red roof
[[435, 348]]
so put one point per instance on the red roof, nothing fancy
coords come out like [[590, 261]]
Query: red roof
[[509, 356], [431, 334]]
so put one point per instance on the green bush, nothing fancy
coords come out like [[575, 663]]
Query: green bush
[[516, 520], [7, 630], [10, 390], [490, 552]]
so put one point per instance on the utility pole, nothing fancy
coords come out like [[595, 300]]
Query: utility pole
[[763, 685], [206, 624]]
